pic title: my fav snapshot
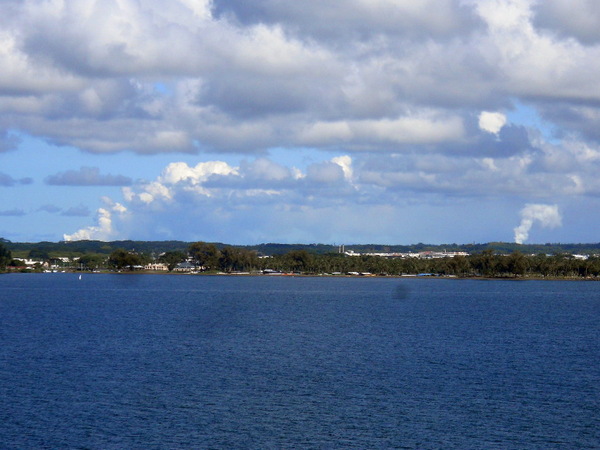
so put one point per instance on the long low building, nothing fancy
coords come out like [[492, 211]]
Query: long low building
[[421, 255]]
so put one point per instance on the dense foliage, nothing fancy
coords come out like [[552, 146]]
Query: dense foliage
[[5, 257], [484, 264], [492, 260], [172, 258], [122, 259]]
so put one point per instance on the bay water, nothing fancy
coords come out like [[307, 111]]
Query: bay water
[[176, 361]]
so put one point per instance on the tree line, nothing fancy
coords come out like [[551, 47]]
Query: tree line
[[5, 257], [202, 256], [208, 257], [484, 264]]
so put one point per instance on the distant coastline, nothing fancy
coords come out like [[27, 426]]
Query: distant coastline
[[472, 261], [313, 275]]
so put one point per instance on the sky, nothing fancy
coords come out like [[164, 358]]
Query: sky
[[338, 122]]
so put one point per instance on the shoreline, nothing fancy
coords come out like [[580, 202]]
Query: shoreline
[[305, 275]]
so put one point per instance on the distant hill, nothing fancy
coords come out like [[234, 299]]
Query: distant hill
[[77, 248]]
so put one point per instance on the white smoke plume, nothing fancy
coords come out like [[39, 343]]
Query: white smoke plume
[[547, 216]]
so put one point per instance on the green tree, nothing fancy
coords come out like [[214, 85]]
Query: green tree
[[460, 266], [172, 258], [40, 254], [236, 259], [5, 257], [540, 264], [91, 261], [517, 264], [594, 266], [121, 258], [298, 261], [485, 263], [204, 255], [230, 259]]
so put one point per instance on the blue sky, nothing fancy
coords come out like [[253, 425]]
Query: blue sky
[[350, 121]]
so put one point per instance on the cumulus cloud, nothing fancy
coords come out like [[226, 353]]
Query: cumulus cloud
[[372, 75], [180, 172], [103, 230], [177, 178], [547, 216], [325, 173], [221, 196], [358, 19], [572, 19], [87, 176], [492, 122], [345, 162], [368, 133], [414, 95], [262, 169]]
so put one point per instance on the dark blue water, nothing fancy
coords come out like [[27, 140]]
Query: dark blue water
[[142, 361]]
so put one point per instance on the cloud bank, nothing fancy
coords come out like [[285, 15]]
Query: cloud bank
[[409, 106], [152, 77]]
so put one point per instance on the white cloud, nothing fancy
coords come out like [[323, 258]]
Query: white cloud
[[505, 14], [218, 196], [21, 74], [325, 173], [404, 130], [177, 178], [200, 8], [82, 73], [568, 18], [119, 208], [179, 171], [262, 169], [492, 122], [103, 230], [345, 162], [414, 91]]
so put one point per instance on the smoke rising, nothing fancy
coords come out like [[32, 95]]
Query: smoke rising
[[547, 216]]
